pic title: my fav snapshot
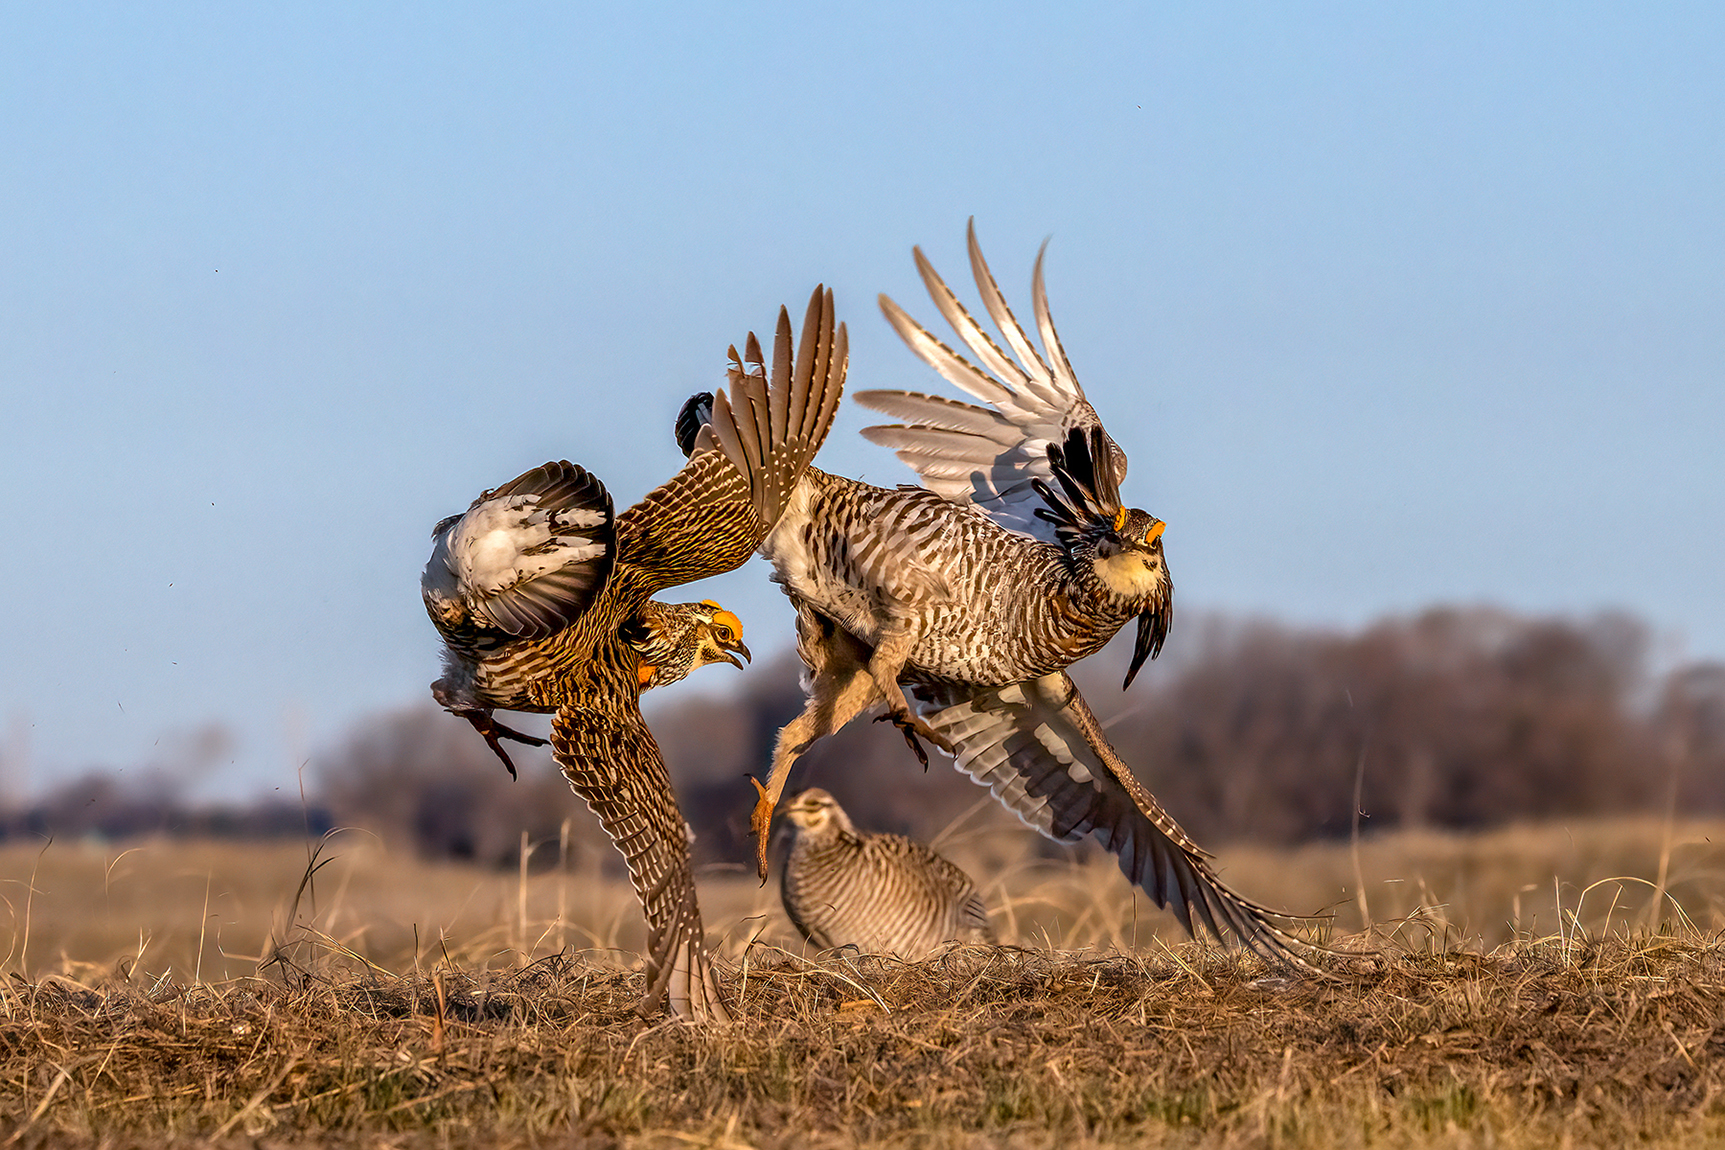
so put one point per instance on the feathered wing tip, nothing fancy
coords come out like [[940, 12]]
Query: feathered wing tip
[[1173, 871], [1038, 747], [692, 992], [697, 413], [612, 762], [994, 301], [771, 431], [987, 455], [1017, 386], [1044, 318], [680, 971]]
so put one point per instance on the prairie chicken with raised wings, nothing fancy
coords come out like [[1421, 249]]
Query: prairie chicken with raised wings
[[509, 573], [543, 599], [883, 894], [1014, 560]]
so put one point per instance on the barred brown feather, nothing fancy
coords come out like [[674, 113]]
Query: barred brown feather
[[1039, 749], [1015, 560], [882, 894], [706, 520]]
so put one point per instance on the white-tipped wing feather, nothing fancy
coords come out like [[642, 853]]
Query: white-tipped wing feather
[[985, 455], [1039, 749]]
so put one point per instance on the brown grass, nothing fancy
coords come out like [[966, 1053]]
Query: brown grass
[[1610, 1044], [139, 1014]]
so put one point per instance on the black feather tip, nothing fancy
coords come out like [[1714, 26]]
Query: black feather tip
[[1152, 633]]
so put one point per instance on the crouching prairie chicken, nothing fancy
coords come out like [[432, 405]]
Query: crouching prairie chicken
[[882, 894], [1014, 560], [543, 600]]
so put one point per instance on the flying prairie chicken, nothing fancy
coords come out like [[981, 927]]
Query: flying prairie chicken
[[515, 569], [1015, 559], [543, 600]]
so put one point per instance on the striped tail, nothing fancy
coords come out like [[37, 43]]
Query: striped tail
[[682, 976], [771, 433]]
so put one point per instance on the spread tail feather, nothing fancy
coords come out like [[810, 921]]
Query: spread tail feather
[[771, 436]]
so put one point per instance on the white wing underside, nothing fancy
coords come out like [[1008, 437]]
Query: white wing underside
[[506, 542], [985, 455], [527, 558]]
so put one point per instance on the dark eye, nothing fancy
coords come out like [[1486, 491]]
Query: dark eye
[[724, 634]]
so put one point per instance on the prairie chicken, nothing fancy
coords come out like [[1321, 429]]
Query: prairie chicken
[[880, 893], [510, 572], [1016, 559], [672, 639], [543, 601]]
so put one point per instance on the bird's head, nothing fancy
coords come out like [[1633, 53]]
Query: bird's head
[[1126, 554], [1128, 561], [718, 636], [814, 811], [673, 639], [1120, 545]]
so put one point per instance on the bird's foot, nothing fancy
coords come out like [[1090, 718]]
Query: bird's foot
[[518, 736], [493, 732], [911, 727], [761, 822]]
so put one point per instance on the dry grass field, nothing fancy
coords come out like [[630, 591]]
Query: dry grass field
[[177, 994]]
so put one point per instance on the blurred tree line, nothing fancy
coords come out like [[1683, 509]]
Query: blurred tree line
[[152, 800], [1245, 730]]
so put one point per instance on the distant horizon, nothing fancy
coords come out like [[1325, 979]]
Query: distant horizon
[[203, 782]]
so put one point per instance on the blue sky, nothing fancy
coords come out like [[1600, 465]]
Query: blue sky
[[1390, 305]]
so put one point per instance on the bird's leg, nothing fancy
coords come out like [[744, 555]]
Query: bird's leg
[[761, 818], [518, 736], [493, 731], [909, 732], [884, 667], [838, 693]]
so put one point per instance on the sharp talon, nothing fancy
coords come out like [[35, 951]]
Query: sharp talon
[[761, 821], [518, 736], [490, 730], [915, 747], [491, 741], [911, 726], [934, 736]]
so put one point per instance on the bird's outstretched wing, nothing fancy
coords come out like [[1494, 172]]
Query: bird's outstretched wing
[[1039, 748], [747, 458], [613, 763], [987, 455], [524, 559]]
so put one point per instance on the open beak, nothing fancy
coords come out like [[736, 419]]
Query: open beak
[[741, 649]]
